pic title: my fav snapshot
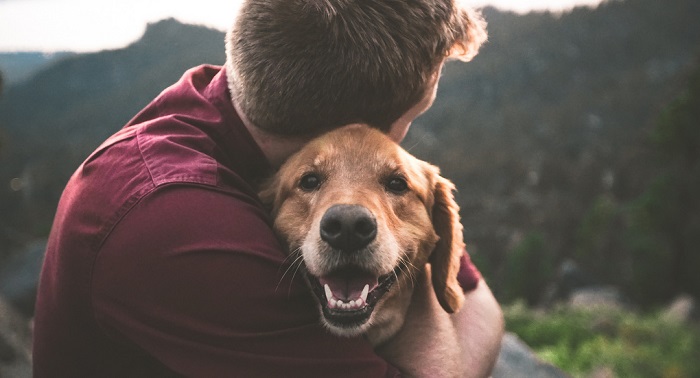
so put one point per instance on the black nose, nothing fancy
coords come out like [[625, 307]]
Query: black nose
[[348, 227]]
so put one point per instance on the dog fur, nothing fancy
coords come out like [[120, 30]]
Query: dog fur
[[417, 227]]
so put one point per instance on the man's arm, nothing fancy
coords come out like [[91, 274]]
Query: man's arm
[[195, 279], [480, 326], [434, 343]]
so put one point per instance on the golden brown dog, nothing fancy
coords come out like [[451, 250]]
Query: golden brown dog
[[366, 217]]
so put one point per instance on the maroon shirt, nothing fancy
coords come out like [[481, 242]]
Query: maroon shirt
[[162, 258]]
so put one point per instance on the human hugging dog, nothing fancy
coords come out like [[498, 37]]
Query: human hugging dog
[[363, 217]]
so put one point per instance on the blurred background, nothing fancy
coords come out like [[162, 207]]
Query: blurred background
[[573, 139]]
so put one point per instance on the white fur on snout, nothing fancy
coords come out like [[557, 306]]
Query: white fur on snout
[[379, 257]]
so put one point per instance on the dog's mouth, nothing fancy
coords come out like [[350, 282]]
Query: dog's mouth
[[348, 296]]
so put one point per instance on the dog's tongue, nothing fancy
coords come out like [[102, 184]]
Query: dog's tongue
[[349, 285]]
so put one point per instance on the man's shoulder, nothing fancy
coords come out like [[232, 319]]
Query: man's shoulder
[[135, 164], [184, 139]]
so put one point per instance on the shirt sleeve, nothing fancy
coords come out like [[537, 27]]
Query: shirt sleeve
[[468, 275], [196, 278]]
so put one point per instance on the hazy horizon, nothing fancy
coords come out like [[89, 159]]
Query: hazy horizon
[[86, 26]]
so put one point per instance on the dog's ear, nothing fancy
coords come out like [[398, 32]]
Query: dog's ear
[[446, 257]]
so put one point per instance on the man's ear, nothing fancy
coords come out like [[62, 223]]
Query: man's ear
[[446, 257]]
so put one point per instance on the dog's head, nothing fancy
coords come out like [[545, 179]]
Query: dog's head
[[366, 217]]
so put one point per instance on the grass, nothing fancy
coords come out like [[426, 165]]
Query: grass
[[581, 341]]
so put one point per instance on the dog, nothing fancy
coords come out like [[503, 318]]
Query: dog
[[365, 219]]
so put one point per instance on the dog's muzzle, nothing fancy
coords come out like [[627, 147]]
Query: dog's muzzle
[[349, 293]]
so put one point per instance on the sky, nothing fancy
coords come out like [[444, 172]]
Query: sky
[[93, 25]]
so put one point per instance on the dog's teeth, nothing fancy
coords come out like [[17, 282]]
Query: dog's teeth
[[335, 303], [329, 293]]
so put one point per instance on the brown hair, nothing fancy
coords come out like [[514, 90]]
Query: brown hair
[[301, 67]]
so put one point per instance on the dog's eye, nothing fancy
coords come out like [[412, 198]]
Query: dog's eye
[[310, 182], [397, 185]]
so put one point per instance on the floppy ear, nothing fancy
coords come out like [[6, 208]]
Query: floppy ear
[[446, 257]]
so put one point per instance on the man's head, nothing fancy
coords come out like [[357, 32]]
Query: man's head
[[302, 67]]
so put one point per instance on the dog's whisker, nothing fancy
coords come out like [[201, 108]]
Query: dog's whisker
[[292, 255], [298, 260], [408, 269], [297, 255], [396, 276], [412, 268], [301, 262], [419, 141]]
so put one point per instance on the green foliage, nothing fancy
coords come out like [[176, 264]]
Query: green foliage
[[678, 133], [486, 268], [651, 258], [529, 130], [595, 238], [664, 227], [648, 244], [582, 340], [529, 268]]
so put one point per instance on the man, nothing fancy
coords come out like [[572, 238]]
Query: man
[[162, 261]]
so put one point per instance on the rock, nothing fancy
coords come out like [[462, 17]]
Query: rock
[[598, 297], [15, 343], [682, 310], [569, 278], [602, 372], [19, 277], [517, 360]]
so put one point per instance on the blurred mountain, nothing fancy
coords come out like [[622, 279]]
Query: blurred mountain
[[97, 93], [55, 119], [552, 115], [18, 66]]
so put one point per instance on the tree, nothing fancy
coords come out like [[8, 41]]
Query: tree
[[664, 235], [529, 268]]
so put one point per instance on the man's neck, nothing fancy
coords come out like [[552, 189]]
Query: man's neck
[[276, 148]]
